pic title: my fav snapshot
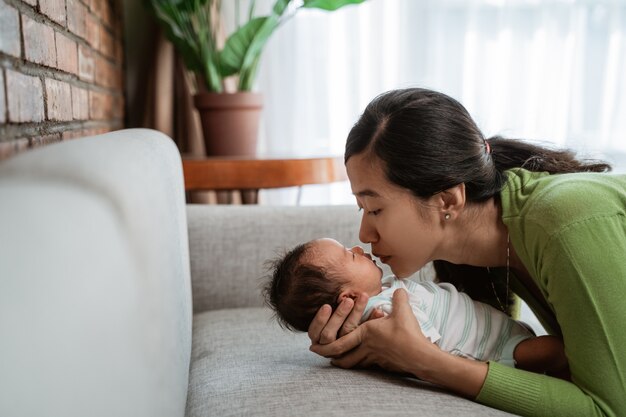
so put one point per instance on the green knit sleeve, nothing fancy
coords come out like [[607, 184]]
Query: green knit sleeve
[[582, 273], [529, 394]]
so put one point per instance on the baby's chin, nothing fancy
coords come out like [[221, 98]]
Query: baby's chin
[[401, 274]]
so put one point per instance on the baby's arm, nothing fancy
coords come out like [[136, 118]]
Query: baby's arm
[[544, 355]]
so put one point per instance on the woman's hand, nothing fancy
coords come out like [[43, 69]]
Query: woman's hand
[[389, 342], [327, 326], [395, 343]]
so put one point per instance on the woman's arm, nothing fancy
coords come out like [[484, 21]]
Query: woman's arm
[[583, 274], [396, 343]]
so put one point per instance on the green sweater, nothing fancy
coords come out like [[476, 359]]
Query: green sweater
[[569, 230]]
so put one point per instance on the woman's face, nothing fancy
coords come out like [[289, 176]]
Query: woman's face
[[403, 234]]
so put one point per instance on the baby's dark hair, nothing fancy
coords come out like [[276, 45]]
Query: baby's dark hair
[[296, 288]]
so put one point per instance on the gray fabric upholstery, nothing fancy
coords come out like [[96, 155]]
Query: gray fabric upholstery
[[243, 364], [95, 294], [230, 244]]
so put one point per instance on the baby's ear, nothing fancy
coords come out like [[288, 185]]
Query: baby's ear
[[346, 294]]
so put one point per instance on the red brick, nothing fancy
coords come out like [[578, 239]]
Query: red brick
[[86, 132], [97, 6], [119, 52], [92, 31], [86, 64], [105, 13], [9, 30], [21, 144], [100, 131], [13, 147], [107, 43], [100, 106], [80, 103], [118, 107], [76, 13], [24, 98], [67, 54], [39, 45], [54, 9], [59, 95], [7, 149], [105, 73], [91, 132], [3, 109], [119, 77], [72, 134], [39, 141]]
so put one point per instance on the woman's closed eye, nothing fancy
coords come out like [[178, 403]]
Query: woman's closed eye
[[372, 212]]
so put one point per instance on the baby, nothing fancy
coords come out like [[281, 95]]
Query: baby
[[323, 271]]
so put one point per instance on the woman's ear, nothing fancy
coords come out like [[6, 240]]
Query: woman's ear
[[451, 201]]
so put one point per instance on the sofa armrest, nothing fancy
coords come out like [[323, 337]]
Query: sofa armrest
[[95, 295], [230, 244]]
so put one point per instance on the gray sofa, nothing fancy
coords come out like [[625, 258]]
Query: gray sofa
[[100, 265]]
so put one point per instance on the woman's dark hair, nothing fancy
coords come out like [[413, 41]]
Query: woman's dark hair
[[296, 289], [428, 142]]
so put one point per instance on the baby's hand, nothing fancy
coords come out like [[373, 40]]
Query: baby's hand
[[376, 313]]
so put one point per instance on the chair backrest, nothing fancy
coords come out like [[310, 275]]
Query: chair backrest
[[95, 295]]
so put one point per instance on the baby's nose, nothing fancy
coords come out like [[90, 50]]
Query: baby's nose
[[358, 250]]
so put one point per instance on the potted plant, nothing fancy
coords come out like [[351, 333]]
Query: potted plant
[[230, 120]]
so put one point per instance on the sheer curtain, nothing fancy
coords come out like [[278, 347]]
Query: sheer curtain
[[551, 70]]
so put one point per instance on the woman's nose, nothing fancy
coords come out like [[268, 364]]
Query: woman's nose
[[367, 234]]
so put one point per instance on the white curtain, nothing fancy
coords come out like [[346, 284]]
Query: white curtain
[[550, 70]]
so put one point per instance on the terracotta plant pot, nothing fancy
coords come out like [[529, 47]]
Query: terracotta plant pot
[[230, 122]]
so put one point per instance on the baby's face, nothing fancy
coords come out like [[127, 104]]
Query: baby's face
[[355, 266]]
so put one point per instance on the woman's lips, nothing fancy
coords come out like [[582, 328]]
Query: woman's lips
[[383, 258]]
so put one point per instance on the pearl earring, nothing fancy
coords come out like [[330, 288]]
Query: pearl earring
[[447, 216]]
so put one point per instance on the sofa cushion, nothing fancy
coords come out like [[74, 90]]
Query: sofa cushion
[[243, 363]]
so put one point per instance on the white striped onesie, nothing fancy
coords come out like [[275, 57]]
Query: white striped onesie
[[455, 322]]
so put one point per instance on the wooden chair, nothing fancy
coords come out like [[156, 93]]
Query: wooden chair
[[231, 177]]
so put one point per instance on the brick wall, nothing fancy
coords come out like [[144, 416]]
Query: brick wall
[[61, 71]]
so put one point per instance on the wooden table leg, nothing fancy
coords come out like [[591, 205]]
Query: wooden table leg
[[250, 196]]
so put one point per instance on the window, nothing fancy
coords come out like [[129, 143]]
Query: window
[[541, 70]]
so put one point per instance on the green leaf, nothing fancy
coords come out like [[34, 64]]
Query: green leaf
[[280, 6], [236, 46], [329, 5], [193, 43], [187, 6], [243, 47], [247, 77], [171, 22], [187, 23]]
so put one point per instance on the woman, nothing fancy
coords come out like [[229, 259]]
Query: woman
[[432, 188]]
